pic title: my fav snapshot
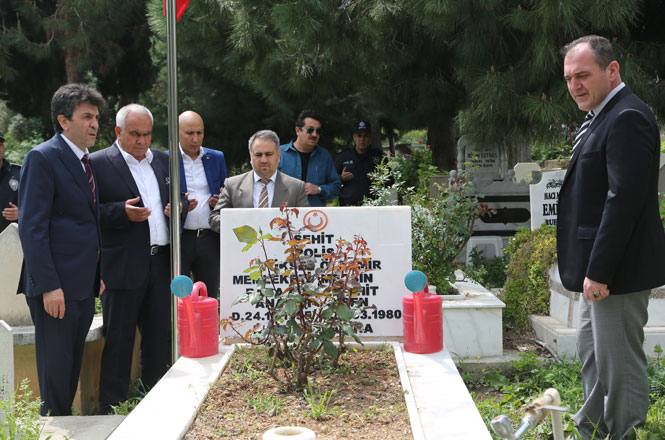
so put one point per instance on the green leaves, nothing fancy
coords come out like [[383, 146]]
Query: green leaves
[[311, 316], [246, 234], [344, 312]]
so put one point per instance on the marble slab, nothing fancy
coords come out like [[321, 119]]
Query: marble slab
[[472, 322], [13, 308], [6, 361]]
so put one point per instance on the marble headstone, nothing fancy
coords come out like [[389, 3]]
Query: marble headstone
[[544, 198], [6, 361], [485, 163], [661, 175], [13, 308], [524, 171]]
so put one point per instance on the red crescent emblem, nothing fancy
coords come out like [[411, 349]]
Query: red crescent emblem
[[316, 220]]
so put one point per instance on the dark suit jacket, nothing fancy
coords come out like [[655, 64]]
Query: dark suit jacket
[[239, 193], [125, 244], [608, 226], [59, 225], [214, 167]]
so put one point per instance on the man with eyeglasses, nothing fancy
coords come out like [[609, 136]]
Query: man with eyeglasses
[[304, 159]]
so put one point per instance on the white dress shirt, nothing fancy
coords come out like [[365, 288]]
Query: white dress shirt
[[197, 187], [258, 187], [599, 108], [79, 153], [146, 181]]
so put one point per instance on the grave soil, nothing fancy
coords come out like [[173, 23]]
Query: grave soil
[[366, 400]]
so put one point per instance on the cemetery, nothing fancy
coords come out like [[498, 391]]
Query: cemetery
[[503, 163], [437, 399]]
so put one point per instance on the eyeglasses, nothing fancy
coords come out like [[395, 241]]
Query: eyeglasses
[[311, 130]]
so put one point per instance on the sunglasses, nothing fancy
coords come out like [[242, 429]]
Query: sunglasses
[[311, 130]]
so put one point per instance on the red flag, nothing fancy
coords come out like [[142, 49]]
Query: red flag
[[180, 6]]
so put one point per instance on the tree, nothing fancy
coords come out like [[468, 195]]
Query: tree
[[48, 43]]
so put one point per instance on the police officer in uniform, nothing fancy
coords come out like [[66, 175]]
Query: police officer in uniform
[[10, 175], [353, 166]]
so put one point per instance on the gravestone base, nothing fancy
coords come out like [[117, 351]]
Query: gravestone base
[[558, 330], [472, 322], [86, 399]]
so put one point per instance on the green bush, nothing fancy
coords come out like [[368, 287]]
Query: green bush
[[530, 255], [441, 224], [490, 272]]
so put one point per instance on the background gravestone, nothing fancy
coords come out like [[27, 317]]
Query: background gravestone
[[13, 308], [544, 198], [485, 164], [6, 361], [524, 171]]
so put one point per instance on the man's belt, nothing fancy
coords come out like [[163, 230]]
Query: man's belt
[[199, 232], [156, 250]]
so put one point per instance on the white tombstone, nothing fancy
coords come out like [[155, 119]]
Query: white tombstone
[[6, 361], [524, 171], [661, 175], [544, 198], [387, 231], [13, 308]]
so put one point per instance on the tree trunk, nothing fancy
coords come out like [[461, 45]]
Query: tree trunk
[[73, 74], [519, 152], [441, 137]]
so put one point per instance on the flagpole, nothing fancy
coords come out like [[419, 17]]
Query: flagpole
[[174, 157]]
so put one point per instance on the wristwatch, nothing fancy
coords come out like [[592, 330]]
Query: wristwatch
[[319, 188]]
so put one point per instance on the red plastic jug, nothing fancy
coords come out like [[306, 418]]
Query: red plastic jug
[[423, 322], [198, 323]]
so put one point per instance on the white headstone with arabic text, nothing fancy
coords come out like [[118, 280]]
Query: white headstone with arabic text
[[387, 231], [544, 198]]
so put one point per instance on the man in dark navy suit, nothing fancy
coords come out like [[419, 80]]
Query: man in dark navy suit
[[202, 175], [59, 230], [133, 194], [610, 240]]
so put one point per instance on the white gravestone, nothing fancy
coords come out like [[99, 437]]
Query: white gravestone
[[544, 198], [661, 175], [524, 171], [13, 308], [6, 361], [387, 231]]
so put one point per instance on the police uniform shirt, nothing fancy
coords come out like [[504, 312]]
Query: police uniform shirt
[[10, 176], [360, 165]]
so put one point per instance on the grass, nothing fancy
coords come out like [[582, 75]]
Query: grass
[[319, 404], [19, 415], [137, 392], [496, 393]]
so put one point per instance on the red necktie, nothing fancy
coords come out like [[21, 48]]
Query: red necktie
[[88, 172]]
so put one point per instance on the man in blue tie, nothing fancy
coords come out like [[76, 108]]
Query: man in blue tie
[[610, 239]]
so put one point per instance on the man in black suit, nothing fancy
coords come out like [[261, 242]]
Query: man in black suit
[[610, 240], [133, 193], [59, 230]]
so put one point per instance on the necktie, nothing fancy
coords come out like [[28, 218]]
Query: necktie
[[263, 197], [585, 126], [88, 173]]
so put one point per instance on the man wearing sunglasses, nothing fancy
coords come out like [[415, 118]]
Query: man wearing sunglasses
[[304, 159]]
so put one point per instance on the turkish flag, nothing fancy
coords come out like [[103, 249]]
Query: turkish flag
[[180, 6]]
